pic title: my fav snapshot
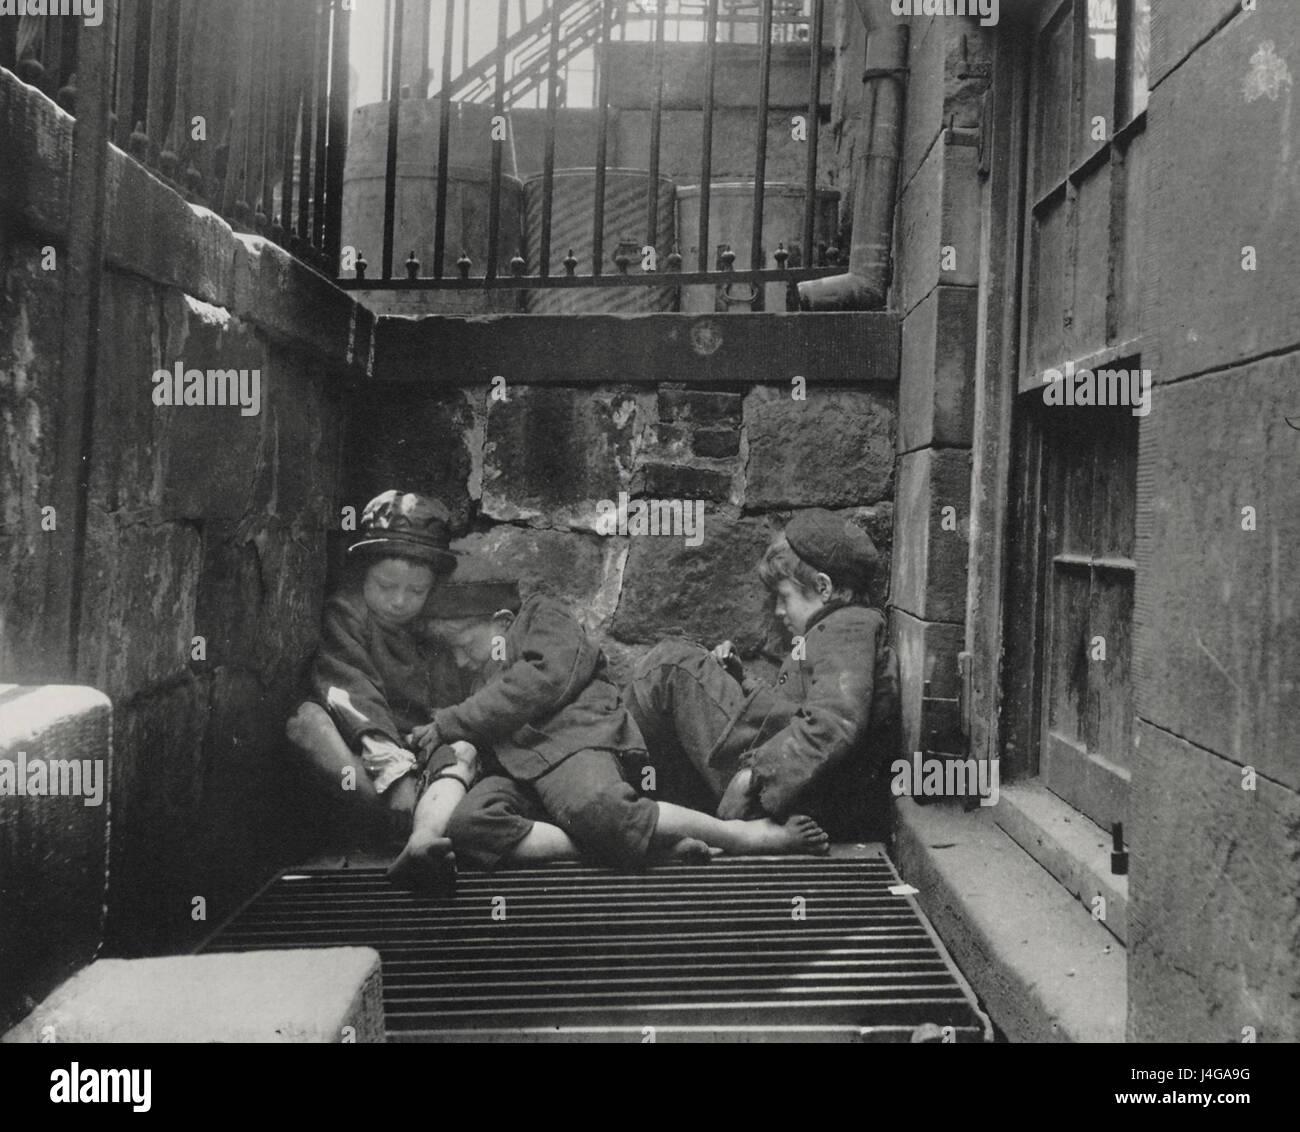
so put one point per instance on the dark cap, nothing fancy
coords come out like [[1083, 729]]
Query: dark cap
[[406, 526], [839, 548], [478, 588]]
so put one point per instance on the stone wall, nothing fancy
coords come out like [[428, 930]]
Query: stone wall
[[1214, 913], [202, 522]]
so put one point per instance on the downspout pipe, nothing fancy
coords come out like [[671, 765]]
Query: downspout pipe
[[866, 285]]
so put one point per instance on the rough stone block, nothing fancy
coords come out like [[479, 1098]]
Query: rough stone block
[[686, 481], [708, 593], [936, 396], [926, 652], [413, 440], [1217, 612], [1214, 913], [54, 853], [1238, 90], [930, 560], [716, 443], [36, 139], [319, 995], [700, 407], [528, 475], [581, 570], [835, 449], [138, 599], [939, 209]]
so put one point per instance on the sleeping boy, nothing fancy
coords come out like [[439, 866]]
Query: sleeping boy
[[560, 740], [812, 742], [376, 676]]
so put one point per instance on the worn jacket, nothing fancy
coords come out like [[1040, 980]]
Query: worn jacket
[[820, 750], [550, 699], [377, 679]]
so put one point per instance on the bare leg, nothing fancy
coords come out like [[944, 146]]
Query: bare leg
[[427, 863], [763, 836], [544, 842], [328, 758]]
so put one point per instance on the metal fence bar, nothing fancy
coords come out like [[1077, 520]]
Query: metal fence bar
[[602, 141], [498, 113], [321, 117], [310, 79], [394, 114], [706, 148], [552, 114], [760, 139], [656, 127], [444, 134], [814, 127]]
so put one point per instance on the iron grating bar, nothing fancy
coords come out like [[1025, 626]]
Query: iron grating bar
[[737, 950]]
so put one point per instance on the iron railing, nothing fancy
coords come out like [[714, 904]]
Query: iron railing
[[243, 106]]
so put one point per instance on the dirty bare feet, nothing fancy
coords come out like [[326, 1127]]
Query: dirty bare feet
[[799, 834], [427, 866]]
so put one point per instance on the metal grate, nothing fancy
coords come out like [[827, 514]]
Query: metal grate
[[739, 949]]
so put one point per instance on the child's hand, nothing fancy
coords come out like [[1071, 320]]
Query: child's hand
[[426, 738]]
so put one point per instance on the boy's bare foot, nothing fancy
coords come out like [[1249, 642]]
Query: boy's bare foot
[[691, 851], [426, 866], [799, 834]]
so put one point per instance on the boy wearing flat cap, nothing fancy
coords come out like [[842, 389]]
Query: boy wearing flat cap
[[376, 676], [554, 735], [812, 741]]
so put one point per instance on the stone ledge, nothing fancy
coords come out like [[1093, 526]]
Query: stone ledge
[[1068, 845], [1043, 970], [309, 995]]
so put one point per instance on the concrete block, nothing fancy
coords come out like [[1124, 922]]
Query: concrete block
[[1214, 914], [926, 652], [936, 395], [1234, 94], [1217, 613], [325, 995], [709, 593], [833, 449], [931, 560], [528, 476], [54, 852]]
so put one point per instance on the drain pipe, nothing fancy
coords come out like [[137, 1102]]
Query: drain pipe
[[866, 285]]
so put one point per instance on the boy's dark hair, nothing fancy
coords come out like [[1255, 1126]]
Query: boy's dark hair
[[780, 562]]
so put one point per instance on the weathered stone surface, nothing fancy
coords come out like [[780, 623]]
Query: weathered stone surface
[[835, 449], [686, 481], [36, 139], [138, 599], [936, 394], [718, 443], [940, 208], [1203, 311], [926, 652], [581, 570], [551, 453], [931, 561], [924, 92], [699, 407], [708, 593], [1177, 26], [1214, 913], [1217, 613], [412, 440]]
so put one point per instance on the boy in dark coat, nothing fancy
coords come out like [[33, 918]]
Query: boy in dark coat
[[809, 743], [376, 676], [559, 739]]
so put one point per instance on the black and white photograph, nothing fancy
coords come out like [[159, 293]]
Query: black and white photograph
[[650, 522]]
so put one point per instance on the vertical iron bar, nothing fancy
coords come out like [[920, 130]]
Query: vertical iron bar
[[80, 344], [498, 110], [552, 114], [124, 98], [602, 139], [290, 45], [444, 133], [706, 147], [51, 56], [321, 117], [656, 126], [387, 45], [337, 153], [310, 77], [274, 62], [155, 122], [760, 139], [390, 164], [814, 125]]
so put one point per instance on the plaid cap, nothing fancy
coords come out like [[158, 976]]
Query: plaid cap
[[839, 548], [407, 526]]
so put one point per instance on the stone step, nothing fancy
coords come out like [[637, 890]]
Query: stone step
[[320, 995]]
